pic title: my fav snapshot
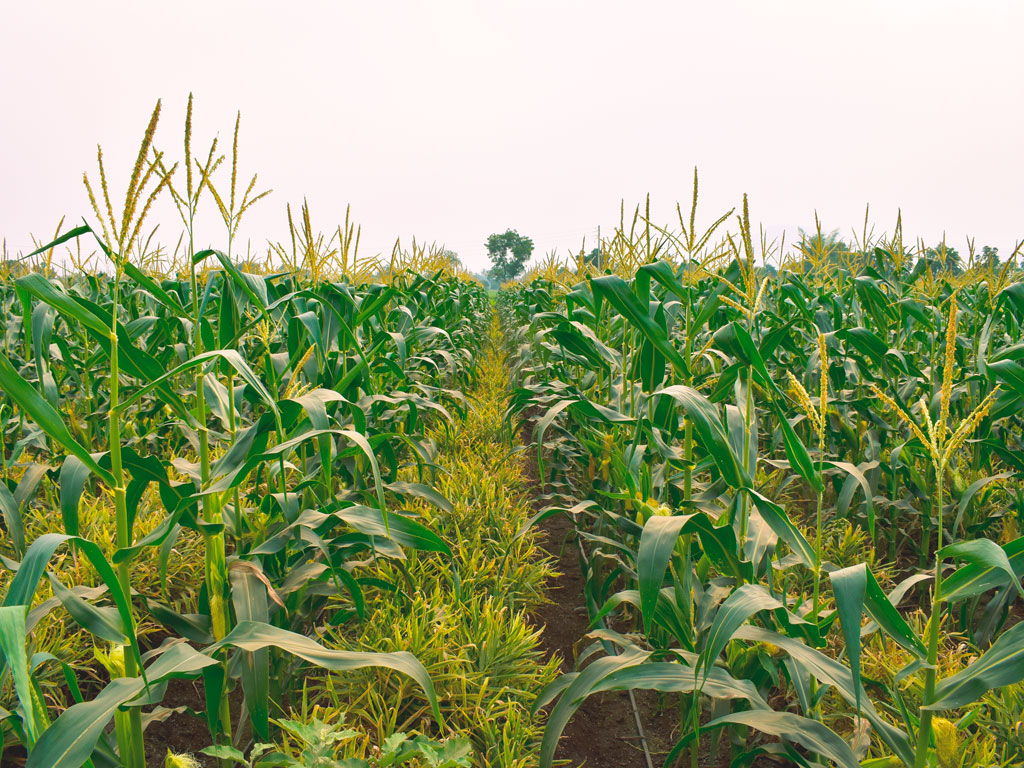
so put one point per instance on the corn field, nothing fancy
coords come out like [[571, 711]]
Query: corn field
[[798, 490], [314, 489]]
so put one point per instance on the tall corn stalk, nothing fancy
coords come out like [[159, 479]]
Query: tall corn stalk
[[118, 240], [942, 442]]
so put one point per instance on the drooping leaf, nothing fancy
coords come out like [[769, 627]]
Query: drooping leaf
[[999, 666], [253, 636], [710, 431], [13, 637], [617, 293], [43, 414], [70, 740], [984, 553], [249, 597]]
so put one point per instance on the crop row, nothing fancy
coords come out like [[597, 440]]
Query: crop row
[[799, 490], [206, 470]]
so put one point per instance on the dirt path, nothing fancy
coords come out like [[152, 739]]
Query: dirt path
[[602, 734]]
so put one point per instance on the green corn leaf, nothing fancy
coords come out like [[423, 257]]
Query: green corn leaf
[[632, 670], [986, 554], [237, 474], [253, 636], [777, 519], [364, 445], [101, 622], [814, 736], [572, 697], [744, 602], [849, 586], [25, 582], [70, 740], [570, 337], [28, 485], [401, 529], [97, 321], [878, 606], [169, 300], [12, 518], [541, 427], [799, 459], [1011, 373], [658, 541], [43, 414], [867, 343], [13, 637], [252, 286], [230, 356], [710, 431], [666, 613], [73, 475], [67, 305], [674, 677], [971, 492], [856, 479], [249, 597], [422, 491], [617, 293], [976, 578], [736, 340], [1000, 666], [71, 234], [831, 672]]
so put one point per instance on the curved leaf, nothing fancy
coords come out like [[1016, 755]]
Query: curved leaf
[[253, 636], [43, 414], [999, 666]]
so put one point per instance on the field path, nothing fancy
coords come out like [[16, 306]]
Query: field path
[[467, 620], [603, 733]]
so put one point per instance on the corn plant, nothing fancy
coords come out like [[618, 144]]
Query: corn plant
[[272, 414], [656, 397]]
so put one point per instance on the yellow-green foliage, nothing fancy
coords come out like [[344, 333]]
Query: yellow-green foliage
[[467, 617], [56, 632]]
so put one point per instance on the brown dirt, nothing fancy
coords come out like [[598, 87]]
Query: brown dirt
[[603, 732], [14, 757], [182, 731]]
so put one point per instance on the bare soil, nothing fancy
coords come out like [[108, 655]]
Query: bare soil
[[182, 731], [603, 732]]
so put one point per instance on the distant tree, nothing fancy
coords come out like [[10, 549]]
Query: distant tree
[[822, 247], [452, 258], [486, 280], [942, 258], [821, 250], [509, 252], [593, 258], [990, 257]]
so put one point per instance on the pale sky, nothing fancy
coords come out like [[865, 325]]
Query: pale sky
[[452, 120]]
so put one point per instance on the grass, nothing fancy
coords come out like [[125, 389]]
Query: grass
[[468, 620]]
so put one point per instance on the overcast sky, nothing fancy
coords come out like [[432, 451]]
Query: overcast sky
[[452, 120]]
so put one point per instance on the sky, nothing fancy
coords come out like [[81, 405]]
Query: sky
[[448, 121]]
